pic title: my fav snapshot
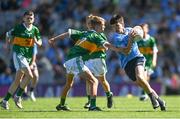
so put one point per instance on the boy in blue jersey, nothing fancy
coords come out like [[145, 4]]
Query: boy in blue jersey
[[133, 62]]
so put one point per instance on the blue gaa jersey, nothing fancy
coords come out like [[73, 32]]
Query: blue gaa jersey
[[121, 40]]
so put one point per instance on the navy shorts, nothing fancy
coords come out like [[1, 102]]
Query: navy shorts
[[131, 65]]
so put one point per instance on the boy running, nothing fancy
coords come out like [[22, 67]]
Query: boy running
[[133, 62], [23, 37]]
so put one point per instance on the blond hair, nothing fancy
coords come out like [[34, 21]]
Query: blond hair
[[93, 20]]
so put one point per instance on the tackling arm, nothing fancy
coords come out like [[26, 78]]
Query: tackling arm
[[124, 50], [61, 37]]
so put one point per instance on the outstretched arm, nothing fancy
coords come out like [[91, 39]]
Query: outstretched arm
[[61, 37], [124, 50]]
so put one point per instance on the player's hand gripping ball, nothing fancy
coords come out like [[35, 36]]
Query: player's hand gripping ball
[[139, 33]]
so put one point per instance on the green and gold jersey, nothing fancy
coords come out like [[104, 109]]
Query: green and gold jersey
[[87, 42], [148, 47], [23, 40], [99, 53]]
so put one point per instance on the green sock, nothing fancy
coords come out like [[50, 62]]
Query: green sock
[[63, 99], [93, 102], [108, 93], [89, 98], [20, 92], [8, 96]]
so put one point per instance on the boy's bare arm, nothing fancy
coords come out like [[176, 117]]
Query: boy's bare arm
[[61, 37]]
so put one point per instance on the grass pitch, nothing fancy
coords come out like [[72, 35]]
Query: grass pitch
[[124, 107]]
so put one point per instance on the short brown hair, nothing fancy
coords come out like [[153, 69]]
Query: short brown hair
[[115, 18], [29, 12]]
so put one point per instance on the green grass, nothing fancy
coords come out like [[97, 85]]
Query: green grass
[[123, 108]]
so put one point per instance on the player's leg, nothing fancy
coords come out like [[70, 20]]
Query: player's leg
[[142, 82], [19, 75], [76, 66], [34, 82], [25, 94], [144, 96], [87, 105], [93, 82], [13, 87], [89, 64], [23, 65], [106, 87], [23, 84], [98, 68], [64, 93]]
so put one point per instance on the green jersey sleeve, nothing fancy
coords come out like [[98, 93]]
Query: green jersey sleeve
[[102, 39], [154, 44], [37, 34], [9, 34]]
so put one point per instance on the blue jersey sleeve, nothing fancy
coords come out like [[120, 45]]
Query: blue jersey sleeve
[[35, 50]]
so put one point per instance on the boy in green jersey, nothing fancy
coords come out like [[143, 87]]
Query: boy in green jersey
[[22, 37], [97, 65], [148, 48], [86, 43]]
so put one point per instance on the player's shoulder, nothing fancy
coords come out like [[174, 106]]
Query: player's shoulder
[[103, 35], [17, 26], [35, 27], [151, 38]]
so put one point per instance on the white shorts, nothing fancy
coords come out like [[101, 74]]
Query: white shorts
[[75, 66], [20, 61], [97, 66]]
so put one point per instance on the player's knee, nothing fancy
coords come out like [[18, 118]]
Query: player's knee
[[102, 79], [36, 78], [139, 77], [141, 81], [31, 76], [17, 80], [94, 80], [68, 86], [71, 84]]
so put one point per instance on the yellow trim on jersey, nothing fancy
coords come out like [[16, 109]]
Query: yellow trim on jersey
[[26, 42], [100, 49], [87, 45], [146, 50]]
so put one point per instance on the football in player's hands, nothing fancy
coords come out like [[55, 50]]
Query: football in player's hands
[[139, 33]]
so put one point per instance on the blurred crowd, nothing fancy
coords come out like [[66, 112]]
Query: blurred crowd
[[56, 16]]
